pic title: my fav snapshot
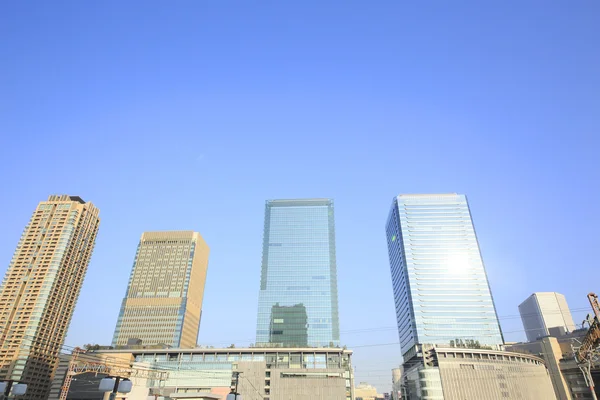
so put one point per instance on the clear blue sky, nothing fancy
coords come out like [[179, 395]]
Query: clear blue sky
[[189, 115]]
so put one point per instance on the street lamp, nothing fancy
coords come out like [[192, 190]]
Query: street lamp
[[115, 385], [234, 396]]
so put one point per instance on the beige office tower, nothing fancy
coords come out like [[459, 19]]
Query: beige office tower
[[40, 289], [163, 303]]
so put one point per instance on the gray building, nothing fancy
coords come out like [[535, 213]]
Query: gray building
[[264, 373], [543, 311]]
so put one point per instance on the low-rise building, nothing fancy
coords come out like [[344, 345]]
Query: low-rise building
[[557, 351], [264, 373], [364, 391], [463, 373]]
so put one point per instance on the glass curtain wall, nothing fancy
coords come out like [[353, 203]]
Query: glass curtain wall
[[440, 285], [298, 302]]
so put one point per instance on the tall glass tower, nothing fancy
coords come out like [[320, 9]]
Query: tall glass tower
[[440, 286], [298, 300]]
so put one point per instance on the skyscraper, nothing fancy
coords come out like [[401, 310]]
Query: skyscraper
[[545, 310], [440, 285], [298, 301], [41, 287], [163, 302]]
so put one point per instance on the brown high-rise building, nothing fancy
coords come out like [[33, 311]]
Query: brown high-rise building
[[163, 302], [40, 288]]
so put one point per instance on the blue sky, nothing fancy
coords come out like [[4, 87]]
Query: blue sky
[[189, 115]]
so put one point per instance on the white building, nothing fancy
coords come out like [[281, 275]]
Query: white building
[[543, 311]]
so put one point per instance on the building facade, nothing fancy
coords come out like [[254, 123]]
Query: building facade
[[557, 351], [543, 311], [41, 287], [163, 302], [364, 391], [459, 374], [298, 300], [396, 384], [449, 332], [441, 291], [264, 373]]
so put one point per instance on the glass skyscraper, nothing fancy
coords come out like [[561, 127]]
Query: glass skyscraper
[[298, 300], [440, 285]]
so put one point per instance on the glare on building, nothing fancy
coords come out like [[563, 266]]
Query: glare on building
[[449, 332]]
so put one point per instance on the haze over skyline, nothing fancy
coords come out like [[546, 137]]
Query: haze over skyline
[[189, 117]]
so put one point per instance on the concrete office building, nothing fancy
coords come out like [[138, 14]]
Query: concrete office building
[[557, 351], [543, 311], [447, 322], [41, 287], [298, 299], [265, 374], [163, 302]]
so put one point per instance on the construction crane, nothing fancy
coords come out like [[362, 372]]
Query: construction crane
[[79, 365], [587, 354]]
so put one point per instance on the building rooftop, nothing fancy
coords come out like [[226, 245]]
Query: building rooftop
[[65, 197], [428, 195], [233, 350], [299, 202]]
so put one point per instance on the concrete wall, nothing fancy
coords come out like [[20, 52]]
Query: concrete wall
[[490, 379], [306, 388]]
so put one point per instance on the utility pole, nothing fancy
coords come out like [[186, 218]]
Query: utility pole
[[234, 395], [113, 395], [237, 380]]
